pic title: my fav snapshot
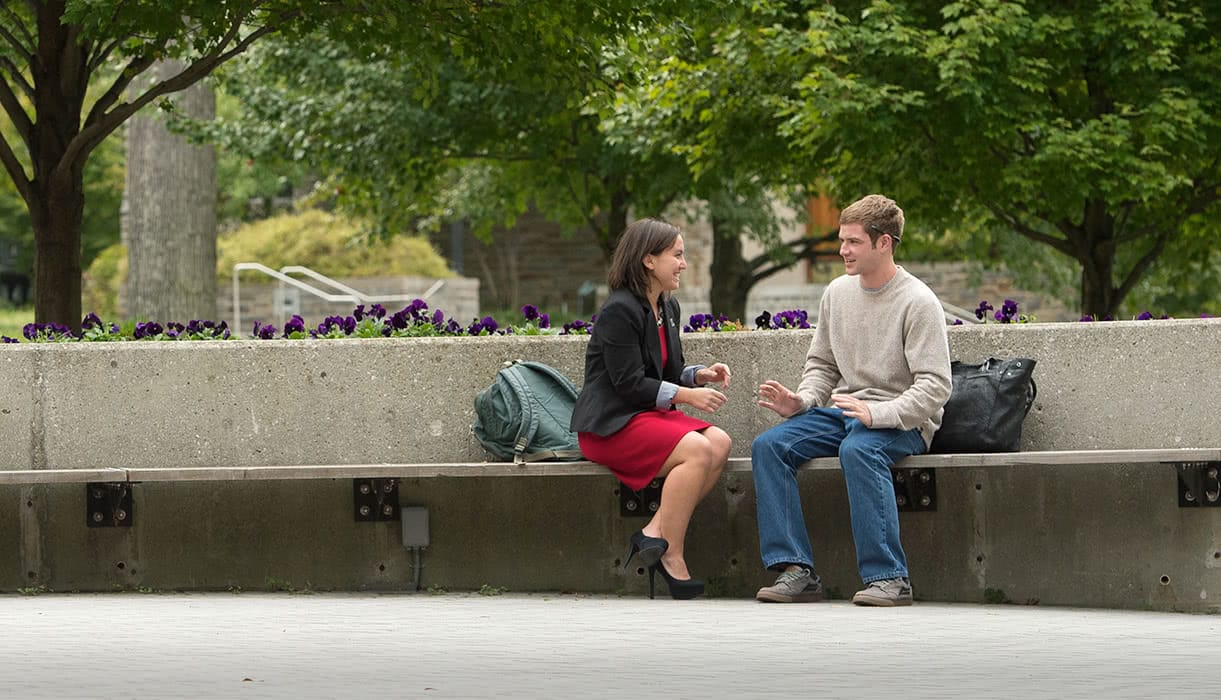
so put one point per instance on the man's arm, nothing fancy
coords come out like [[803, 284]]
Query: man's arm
[[821, 372], [927, 350]]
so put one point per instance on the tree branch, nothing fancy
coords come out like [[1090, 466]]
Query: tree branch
[[1146, 261], [140, 64], [26, 50], [1060, 244], [134, 68], [805, 248], [101, 123], [586, 211], [104, 50], [1208, 195], [96, 60], [999, 155], [17, 172], [25, 33], [18, 78], [1122, 222], [1028, 142], [488, 155], [16, 113]]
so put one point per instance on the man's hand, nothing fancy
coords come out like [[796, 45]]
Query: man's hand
[[777, 397], [718, 373], [853, 408]]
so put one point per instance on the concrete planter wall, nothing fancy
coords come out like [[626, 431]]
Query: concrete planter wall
[[1109, 536]]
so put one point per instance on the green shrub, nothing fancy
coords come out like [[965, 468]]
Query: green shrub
[[323, 242], [328, 244]]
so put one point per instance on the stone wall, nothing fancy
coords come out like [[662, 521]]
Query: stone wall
[[532, 263]]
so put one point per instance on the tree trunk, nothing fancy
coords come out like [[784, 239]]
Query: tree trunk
[[1097, 293], [732, 275], [1097, 257], [57, 250], [171, 212], [616, 220], [56, 195]]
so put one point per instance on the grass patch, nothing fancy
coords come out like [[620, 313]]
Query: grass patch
[[995, 596], [12, 320]]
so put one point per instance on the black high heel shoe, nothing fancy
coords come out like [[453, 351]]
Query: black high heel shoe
[[650, 549], [680, 588]]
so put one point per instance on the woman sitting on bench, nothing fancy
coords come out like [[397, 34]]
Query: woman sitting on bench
[[625, 416]]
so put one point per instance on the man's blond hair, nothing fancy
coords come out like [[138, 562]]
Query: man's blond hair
[[877, 214]]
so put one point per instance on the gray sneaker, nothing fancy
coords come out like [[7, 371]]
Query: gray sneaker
[[887, 593], [800, 586]]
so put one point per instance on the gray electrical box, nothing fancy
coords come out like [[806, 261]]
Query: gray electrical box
[[415, 526]]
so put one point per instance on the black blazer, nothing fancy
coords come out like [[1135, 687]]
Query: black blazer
[[623, 363]]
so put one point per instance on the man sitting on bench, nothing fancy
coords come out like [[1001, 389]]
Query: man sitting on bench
[[876, 377]]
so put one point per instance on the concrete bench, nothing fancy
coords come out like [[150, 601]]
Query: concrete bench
[[407, 470], [195, 431], [375, 486]]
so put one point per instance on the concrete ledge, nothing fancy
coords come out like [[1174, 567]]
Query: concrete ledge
[[581, 468], [1104, 535]]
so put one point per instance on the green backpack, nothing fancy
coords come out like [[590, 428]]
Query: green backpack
[[524, 415]]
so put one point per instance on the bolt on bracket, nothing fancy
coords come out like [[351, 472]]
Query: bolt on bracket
[[1199, 484], [108, 504], [642, 503], [915, 489], [375, 500]]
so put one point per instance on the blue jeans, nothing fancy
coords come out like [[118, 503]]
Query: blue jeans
[[865, 456]]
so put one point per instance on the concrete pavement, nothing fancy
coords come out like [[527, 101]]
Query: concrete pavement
[[466, 645]]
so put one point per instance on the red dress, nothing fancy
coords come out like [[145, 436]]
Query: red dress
[[636, 453]]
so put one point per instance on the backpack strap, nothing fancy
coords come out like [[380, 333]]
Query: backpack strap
[[546, 454], [529, 423]]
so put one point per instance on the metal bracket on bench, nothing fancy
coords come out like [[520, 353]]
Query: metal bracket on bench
[[1199, 484], [915, 489], [108, 504], [375, 500], [640, 503]]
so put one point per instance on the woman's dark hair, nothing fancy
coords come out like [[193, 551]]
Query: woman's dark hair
[[643, 237]]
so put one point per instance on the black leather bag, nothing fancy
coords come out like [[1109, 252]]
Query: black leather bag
[[987, 405]]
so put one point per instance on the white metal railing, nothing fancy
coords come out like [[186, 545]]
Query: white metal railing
[[346, 293], [957, 313]]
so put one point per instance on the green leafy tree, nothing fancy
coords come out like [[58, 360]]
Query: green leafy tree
[[52, 52], [1090, 129], [584, 140], [484, 143], [705, 95]]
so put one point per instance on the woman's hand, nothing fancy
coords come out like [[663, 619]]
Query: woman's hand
[[777, 397], [703, 398], [718, 373]]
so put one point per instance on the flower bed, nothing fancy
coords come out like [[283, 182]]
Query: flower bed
[[416, 320]]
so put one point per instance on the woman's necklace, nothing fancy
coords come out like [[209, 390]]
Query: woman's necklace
[[657, 315]]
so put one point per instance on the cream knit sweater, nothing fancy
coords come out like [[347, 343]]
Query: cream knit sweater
[[885, 346]]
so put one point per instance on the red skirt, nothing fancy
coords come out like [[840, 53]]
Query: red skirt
[[637, 452]]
